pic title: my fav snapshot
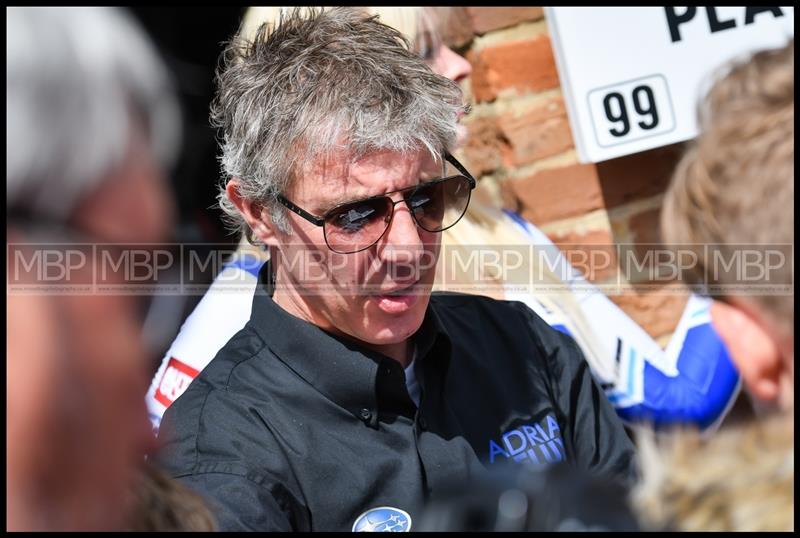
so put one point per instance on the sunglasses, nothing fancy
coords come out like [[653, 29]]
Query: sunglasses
[[355, 226]]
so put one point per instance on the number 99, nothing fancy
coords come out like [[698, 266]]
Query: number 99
[[648, 108]]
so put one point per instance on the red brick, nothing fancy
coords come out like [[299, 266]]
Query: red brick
[[552, 107], [592, 253], [557, 193], [538, 133], [648, 259], [638, 176], [486, 19], [656, 311], [482, 146], [525, 65]]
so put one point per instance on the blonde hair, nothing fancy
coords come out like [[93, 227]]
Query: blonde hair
[[735, 185], [419, 24]]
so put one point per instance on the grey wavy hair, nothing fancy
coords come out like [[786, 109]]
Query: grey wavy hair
[[77, 80], [322, 81]]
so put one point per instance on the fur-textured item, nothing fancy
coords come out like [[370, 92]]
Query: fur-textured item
[[740, 479]]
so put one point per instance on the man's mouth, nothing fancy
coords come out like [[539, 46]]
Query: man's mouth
[[397, 300]]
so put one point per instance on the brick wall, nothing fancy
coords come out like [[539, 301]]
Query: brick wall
[[521, 147]]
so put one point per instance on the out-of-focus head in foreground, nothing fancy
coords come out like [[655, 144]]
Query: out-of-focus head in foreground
[[91, 119], [734, 189], [732, 195]]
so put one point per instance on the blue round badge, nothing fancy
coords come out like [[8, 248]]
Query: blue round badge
[[383, 519]]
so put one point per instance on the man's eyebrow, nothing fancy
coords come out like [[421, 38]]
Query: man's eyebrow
[[341, 200]]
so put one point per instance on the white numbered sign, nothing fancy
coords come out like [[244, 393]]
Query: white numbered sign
[[631, 110], [632, 77]]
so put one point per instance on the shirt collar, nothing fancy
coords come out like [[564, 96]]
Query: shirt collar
[[356, 378]]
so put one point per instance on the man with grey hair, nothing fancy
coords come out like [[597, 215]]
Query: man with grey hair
[[353, 394], [91, 121]]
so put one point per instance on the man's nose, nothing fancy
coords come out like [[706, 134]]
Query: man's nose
[[402, 242]]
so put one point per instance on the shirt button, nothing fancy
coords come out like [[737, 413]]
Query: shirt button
[[365, 414]]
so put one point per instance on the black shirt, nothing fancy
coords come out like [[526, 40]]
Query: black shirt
[[293, 428]]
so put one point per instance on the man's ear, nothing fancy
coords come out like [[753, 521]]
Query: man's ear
[[753, 351], [254, 214]]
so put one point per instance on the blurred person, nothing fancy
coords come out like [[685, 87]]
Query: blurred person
[[76, 429], [98, 72], [340, 404], [91, 120], [734, 189]]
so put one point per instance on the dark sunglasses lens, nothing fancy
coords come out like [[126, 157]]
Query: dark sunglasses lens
[[440, 205], [357, 226]]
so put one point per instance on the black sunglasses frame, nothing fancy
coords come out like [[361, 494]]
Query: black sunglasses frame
[[320, 221]]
